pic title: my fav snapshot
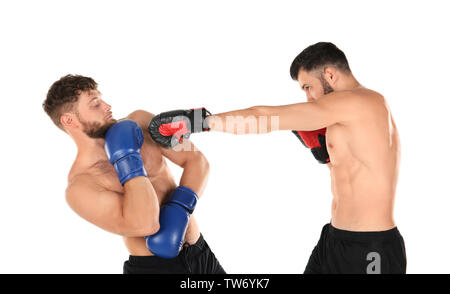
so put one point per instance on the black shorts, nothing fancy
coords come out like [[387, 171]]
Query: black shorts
[[346, 252], [193, 259]]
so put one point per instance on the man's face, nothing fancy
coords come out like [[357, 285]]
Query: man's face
[[94, 114], [314, 84]]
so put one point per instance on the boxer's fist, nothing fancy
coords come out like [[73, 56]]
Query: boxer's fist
[[315, 140], [170, 128], [123, 141], [173, 222]]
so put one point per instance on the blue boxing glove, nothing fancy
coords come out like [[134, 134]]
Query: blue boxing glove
[[123, 141], [173, 221]]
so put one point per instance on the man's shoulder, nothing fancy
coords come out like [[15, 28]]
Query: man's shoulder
[[142, 117], [362, 98], [84, 185], [80, 172], [79, 180], [365, 93]]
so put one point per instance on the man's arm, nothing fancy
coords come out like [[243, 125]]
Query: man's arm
[[194, 163], [336, 107], [134, 214]]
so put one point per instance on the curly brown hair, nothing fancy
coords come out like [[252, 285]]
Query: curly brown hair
[[63, 96]]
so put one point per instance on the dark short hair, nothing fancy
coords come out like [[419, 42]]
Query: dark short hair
[[318, 56], [63, 96]]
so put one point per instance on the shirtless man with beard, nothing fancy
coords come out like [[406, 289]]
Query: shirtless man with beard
[[131, 205]]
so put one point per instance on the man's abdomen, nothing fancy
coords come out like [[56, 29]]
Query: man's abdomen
[[361, 201]]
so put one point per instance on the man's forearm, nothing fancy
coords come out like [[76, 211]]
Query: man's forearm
[[195, 174], [253, 120], [141, 206]]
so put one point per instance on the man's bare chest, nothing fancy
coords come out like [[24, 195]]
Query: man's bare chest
[[157, 171]]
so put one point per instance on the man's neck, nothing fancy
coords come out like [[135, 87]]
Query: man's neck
[[90, 151], [348, 84]]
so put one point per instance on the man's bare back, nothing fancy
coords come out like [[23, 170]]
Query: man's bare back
[[104, 175]]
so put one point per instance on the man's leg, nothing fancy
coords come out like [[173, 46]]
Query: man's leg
[[314, 265], [200, 259]]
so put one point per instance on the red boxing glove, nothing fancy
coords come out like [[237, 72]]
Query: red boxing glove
[[170, 128], [315, 140]]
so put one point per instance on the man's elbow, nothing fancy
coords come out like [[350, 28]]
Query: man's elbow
[[262, 120], [197, 160], [204, 163], [259, 110], [140, 230], [150, 229]]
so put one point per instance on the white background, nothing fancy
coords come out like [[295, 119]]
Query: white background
[[267, 199]]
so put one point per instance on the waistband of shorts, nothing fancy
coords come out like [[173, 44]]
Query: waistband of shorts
[[153, 260], [362, 236]]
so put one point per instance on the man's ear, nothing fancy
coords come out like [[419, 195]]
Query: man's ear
[[330, 75], [68, 120]]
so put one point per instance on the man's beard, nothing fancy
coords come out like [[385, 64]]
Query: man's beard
[[325, 85], [96, 130]]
